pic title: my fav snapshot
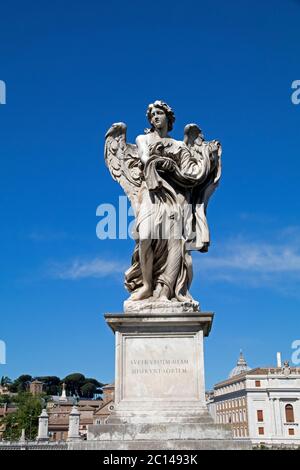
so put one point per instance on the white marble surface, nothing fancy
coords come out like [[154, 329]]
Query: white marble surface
[[159, 367], [160, 306]]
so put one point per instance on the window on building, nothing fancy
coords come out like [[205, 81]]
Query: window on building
[[260, 415], [289, 414], [257, 383], [291, 432], [261, 431]]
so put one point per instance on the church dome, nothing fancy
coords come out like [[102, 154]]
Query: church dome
[[240, 367]]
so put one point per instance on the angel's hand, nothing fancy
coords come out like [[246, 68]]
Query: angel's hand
[[156, 149]]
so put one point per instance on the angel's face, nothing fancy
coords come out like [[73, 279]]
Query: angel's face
[[158, 118]]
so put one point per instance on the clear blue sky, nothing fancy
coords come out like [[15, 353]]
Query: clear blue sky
[[71, 69]]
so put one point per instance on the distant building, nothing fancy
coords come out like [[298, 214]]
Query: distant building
[[91, 411], [107, 406], [4, 390], [36, 387], [262, 404]]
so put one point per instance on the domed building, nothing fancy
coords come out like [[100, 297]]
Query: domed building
[[240, 367]]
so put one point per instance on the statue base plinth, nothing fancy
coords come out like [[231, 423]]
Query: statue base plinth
[[159, 367], [159, 386], [167, 436], [160, 306]]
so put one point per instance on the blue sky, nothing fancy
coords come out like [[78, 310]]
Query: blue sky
[[71, 70]]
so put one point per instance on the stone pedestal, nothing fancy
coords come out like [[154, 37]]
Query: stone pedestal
[[159, 386], [74, 422], [23, 437], [159, 367], [43, 435]]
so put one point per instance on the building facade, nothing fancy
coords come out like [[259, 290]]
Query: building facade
[[91, 412], [262, 404]]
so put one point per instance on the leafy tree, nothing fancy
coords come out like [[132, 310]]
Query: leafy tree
[[11, 432], [5, 399], [95, 382], [26, 417], [88, 390], [77, 384], [20, 384], [5, 381], [74, 382], [51, 384]]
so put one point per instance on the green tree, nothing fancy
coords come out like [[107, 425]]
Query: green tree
[[94, 381], [74, 382], [5, 399], [51, 384], [29, 408], [78, 384], [11, 432], [21, 383], [88, 390], [5, 381]]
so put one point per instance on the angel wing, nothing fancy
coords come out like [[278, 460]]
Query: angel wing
[[202, 150], [123, 162], [209, 152]]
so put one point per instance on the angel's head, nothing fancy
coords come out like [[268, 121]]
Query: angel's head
[[159, 113]]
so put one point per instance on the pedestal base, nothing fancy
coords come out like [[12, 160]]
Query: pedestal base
[[159, 367], [159, 386], [168, 436]]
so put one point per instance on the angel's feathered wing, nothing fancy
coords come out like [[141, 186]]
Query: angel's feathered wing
[[209, 153], [123, 162]]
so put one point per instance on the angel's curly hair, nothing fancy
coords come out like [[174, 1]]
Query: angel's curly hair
[[166, 108]]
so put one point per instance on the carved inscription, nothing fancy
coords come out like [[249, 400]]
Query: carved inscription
[[159, 366]]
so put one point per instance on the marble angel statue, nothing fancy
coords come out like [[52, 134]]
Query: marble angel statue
[[168, 183]]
